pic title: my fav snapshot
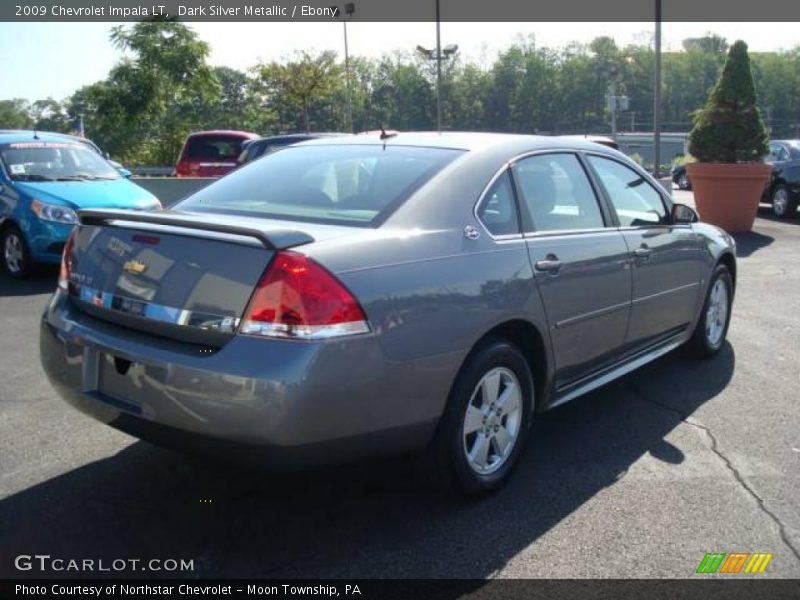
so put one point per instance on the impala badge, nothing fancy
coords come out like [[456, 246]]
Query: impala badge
[[135, 267]]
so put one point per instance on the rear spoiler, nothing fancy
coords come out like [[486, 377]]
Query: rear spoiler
[[274, 239]]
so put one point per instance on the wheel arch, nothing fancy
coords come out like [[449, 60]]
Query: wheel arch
[[529, 340], [727, 259]]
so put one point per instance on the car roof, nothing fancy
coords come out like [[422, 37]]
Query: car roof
[[10, 136], [300, 137], [462, 140], [231, 132]]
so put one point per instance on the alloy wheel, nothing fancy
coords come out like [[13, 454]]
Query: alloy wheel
[[493, 421], [780, 201], [13, 253], [717, 313]]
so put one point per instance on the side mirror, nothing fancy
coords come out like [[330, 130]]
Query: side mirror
[[682, 214], [124, 172]]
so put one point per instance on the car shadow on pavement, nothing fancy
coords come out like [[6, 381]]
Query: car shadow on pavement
[[43, 280], [765, 212], [749, 242], [370, 520]]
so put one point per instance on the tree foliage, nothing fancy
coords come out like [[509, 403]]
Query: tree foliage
[[164, 87], [729, 128], [299, 83]]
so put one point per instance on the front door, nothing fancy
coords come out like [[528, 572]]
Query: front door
[[580, 264], [666, 258]]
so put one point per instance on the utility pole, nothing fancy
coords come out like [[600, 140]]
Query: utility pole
[[439, 55], [612, 106], [438, 69], [657, 95], [349, 9]]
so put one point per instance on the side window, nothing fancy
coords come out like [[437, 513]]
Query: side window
[[636, 202], [773, 153], [497, 210], [557, 193]]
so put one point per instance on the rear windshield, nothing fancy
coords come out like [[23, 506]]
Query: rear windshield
[[345, 184], [213, 147]]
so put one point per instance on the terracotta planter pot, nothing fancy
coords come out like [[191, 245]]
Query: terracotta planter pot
[[727, 195]]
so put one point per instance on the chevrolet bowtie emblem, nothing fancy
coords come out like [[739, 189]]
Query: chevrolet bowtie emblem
[[135, 267]]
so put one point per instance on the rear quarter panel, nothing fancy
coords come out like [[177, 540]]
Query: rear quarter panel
[[430, 293]]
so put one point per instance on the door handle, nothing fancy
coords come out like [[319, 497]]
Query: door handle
[[551, 264], [643, 252]]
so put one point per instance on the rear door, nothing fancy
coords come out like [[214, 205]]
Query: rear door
[[666, 259], [580, 264]]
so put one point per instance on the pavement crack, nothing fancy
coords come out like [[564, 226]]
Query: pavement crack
[[684, 418]]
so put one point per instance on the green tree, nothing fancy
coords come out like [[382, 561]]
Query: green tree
[[729, 128], [156, 89], [49, 115], [14, 114], [296, 85]]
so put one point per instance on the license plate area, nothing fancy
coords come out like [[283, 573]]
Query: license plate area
[[121, 382]]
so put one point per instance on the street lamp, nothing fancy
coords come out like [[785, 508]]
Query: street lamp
[[616, 103], [438, 55], [344, 17], [657, 95]]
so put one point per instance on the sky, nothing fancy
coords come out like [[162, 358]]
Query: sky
[[54, 59]]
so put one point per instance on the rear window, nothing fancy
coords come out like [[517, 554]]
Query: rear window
[[344, 184], [213, 147]]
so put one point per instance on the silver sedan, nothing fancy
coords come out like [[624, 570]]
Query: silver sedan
[[349, 297]]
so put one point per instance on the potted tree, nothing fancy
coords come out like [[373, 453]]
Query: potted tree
[[729, 141]]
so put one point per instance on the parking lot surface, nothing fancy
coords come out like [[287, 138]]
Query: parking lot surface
[[638, 479]]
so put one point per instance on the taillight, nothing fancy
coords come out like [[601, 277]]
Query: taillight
[[298, 298], [66, 261]]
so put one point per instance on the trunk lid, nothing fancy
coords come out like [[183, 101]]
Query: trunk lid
[[175, 275]]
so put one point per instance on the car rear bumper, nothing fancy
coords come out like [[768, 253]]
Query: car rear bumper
[[299, 403]]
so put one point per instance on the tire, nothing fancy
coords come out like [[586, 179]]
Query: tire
[[783, 204], [683, 182], [459, 451], [15, 253], [711, 329]]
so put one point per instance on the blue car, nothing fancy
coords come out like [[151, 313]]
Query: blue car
[[44, 179]]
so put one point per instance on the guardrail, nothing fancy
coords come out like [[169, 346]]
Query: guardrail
[[152, 171], [171, 189]]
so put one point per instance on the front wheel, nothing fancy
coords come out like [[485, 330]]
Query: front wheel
[[683, 181], [16, 256], [487, 418], [783, 205], [712, 327]]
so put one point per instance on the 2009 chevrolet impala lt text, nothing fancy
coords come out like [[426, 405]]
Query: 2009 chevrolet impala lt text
[[355, 296]]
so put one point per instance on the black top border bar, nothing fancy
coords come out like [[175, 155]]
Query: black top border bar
[[402, 10]]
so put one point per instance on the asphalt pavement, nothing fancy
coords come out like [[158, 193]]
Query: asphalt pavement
[[638, 479]]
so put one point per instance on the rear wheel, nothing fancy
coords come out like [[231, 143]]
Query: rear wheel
[[16, 256], [783, 205], [488, 415], [683, 181], [712, 327]]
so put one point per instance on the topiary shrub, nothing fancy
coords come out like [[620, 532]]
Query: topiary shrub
[[729, 129]]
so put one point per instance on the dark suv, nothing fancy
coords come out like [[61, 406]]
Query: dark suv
[[253, 149]]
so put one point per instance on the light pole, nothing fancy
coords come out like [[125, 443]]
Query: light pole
[[615, 102], [657, 95], [349, 9], [438, 55]]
